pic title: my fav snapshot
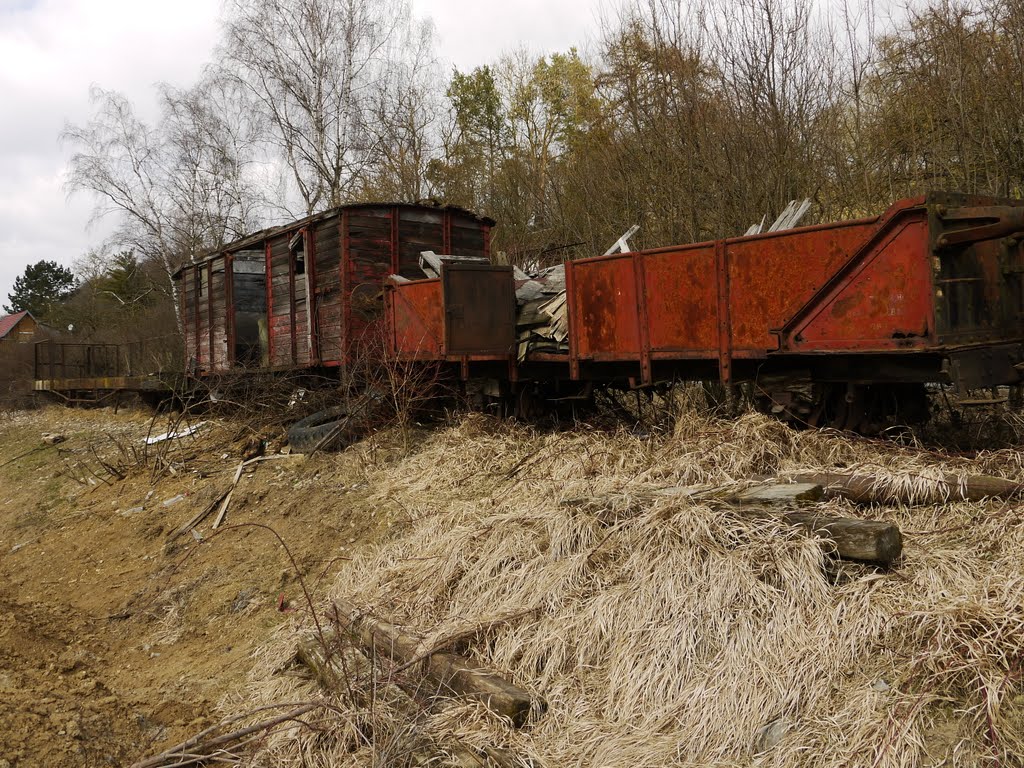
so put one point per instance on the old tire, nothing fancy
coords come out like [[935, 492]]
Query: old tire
[[308, 433]]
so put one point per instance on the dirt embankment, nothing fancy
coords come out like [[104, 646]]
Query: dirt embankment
[[589, 567], [113, 641]]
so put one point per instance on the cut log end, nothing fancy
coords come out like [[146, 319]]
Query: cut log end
[[869, 541]]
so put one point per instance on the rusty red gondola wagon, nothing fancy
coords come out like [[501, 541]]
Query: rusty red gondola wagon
[[864, 311]]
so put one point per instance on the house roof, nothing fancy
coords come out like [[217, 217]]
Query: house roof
[[8, 322]]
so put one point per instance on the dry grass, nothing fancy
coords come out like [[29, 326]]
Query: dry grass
[[673, 632]]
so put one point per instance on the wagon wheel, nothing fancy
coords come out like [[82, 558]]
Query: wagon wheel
[[868, 409]]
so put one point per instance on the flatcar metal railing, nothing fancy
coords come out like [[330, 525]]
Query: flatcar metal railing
[[59, 360]]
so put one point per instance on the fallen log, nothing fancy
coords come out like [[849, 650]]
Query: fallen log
[[339, 671], [448, 673], [866, 489], [780, 493], [870, 541], [340, 668]]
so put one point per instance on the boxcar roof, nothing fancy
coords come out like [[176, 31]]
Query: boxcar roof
[[269, 232]]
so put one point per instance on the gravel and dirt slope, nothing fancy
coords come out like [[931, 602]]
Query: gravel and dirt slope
[[114, 642]]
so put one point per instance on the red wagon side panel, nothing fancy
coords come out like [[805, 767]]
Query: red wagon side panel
[[682, 303], [417, 320], [691, 301], [887, 304], [606, 320], [771, 276], [468, 314]]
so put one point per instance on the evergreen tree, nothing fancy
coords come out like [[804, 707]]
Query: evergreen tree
[[43, 284]]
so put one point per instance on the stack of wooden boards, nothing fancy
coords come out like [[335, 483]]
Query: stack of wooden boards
[[542, 319], [431, 262]]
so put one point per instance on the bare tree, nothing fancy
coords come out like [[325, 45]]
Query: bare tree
[[406, 107], [778, 77], [317, 70], [177, 188]]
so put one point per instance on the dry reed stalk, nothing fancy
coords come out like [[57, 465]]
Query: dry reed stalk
[[671, 633]]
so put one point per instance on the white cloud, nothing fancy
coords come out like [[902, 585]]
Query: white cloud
[[471, 32], [52, 51]]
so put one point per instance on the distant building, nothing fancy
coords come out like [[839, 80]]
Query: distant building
[[17, 357], [20, 327]]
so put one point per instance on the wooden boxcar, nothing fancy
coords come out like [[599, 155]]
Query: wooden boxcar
[[305, 294]]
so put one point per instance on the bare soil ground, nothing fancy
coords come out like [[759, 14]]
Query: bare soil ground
[[114, 642]]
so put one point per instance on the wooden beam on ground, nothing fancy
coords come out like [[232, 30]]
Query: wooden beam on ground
[[868, 541], [781, 493], [449, 674], [871, 541], [223, 508], [866, 488]]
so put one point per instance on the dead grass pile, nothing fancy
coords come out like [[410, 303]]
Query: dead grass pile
[[664, 630]]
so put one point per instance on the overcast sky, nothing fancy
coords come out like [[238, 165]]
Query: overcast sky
[[52, 51]]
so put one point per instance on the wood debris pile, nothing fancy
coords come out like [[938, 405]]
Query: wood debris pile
[[542, 318]]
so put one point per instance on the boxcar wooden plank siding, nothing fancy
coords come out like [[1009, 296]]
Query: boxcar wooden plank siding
[[326, 244], [203, 314], [188, 298], [301, 323], [326, 290], [328, 253], [218, 315], [467, 241], [279, 328], [418, 232]]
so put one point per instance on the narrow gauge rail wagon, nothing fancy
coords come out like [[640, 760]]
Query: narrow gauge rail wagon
[[304, 294], [840, 323]]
